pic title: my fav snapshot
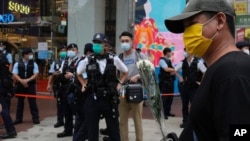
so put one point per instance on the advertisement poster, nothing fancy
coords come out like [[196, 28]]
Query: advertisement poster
[[240, 33], [151, 35]]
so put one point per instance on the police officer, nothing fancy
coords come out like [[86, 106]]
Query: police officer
[[55, 85], [101, 89], [166, 81], [68, 70], [193, 70], [80, 128], [5, 51], [4, 109], [25, 72]]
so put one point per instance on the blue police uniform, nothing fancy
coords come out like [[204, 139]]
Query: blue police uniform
[[192, 72], [80, 127], [68, 96], [166, 85], [101, 94], [10, 61], [55, 66], [8, 123], [24, 70]]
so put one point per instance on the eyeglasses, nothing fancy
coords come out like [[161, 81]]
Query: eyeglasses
[[126, 41]]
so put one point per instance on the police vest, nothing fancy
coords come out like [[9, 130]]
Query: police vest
[[163, 75], [57, 78], [26, 71], [108, 80], [58, 64], [191, 73], [69, 67]]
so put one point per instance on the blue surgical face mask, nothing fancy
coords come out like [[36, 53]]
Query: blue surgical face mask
[[31, 57], [97, 48], [125, 46], [71, 54]]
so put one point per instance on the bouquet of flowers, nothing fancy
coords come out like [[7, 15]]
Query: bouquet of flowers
[[148, 78]]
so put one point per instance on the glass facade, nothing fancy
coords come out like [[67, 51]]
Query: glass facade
[[37, 24]]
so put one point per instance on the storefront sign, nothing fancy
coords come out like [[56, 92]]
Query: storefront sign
[[240, 8], [6, 18], [7, 30], [242, 20], [17, 7]]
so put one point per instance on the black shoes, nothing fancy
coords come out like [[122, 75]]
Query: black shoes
[[171, 115], [36, 121], [183, 125], [58, 124], [64, 134], [17, 122], [105, 138], [104, 131], [20, 121], [9, 135]]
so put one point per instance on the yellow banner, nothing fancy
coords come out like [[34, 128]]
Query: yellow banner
[[240, 8]]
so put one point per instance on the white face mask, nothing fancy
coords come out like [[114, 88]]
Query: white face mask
[[71, 54], [246, 51], [1, 48], [30, 57], [125, 46], [185, 54]]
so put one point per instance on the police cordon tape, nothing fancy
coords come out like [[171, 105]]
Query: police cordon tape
[[35, 96]]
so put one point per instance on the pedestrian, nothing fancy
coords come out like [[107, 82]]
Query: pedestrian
[[101, 89], [80, 128], [68, 70], [55, 84], [166, 81], [243, 46], [222, 99], [25, 72], [192, 69], [130, 57]]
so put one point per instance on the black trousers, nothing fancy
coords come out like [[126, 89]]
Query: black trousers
[[187, 94], [31, 90], [167, 88], [93, 109], [8, 123], [80, 128], [60, 110], [69, 111]]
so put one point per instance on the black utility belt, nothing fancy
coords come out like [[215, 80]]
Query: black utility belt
[[189, 85], [102, 93]]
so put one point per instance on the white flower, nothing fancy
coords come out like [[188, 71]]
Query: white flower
[[145, 63]]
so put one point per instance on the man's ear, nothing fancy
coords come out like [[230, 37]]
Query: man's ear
[[221, 19]]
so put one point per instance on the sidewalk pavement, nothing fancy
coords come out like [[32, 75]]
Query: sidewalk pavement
[[45, 131]]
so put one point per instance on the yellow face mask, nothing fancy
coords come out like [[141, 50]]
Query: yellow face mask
[[195, 43]]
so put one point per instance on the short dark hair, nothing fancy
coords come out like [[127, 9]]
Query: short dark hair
[[166, 50], [126, 33], [229, 21]]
